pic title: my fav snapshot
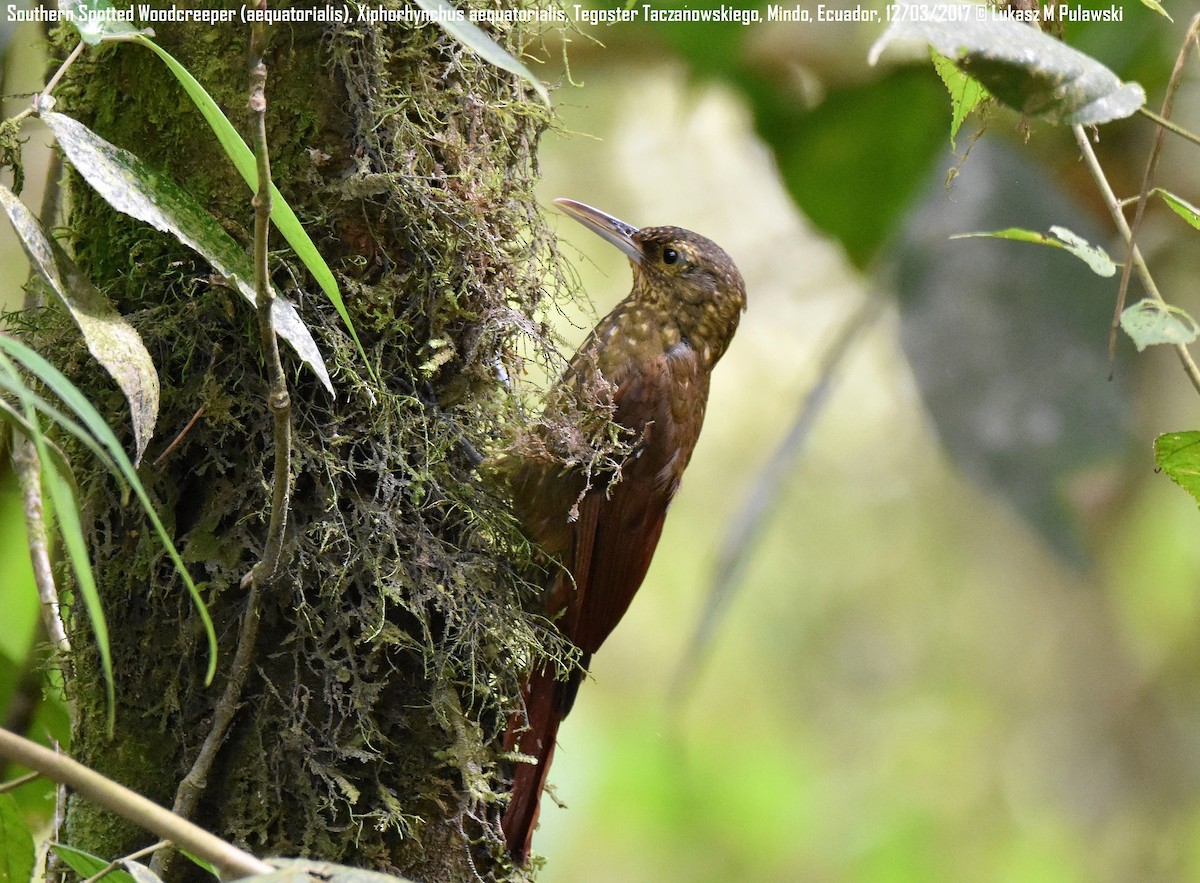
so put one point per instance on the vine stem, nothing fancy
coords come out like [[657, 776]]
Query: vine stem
[[193, 785], [1148, 175], [278, 399], [1135, 253], [104, 792]]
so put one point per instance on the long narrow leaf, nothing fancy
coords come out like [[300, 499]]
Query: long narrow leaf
[[132, 188], [111, 340], [242, 157], [83, 409], [87, 865], [66, 517], [456, 24]]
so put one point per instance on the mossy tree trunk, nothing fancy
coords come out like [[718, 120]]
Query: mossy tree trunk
[[390, 645]]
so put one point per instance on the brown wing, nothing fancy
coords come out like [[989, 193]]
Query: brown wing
[[662, 399]]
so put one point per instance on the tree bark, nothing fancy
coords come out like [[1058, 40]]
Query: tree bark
[[390, 645]]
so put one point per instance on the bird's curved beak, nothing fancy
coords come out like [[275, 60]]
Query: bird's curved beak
[[612, 229]]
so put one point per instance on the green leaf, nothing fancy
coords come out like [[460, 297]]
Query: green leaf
[[201, 863], [1181, 207], [102, 437], [16, 844], [66, 518], [1025, 69], [111, 340], [455, 23], [140, 873], [132, 188], [965, 92], [1157, 7], [1149, 322], [61, 492], [1178, 455], [1092, 255], [87, 865], [97, 20], [282, 216]]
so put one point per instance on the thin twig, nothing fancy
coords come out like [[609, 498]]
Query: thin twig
[[29, 474], [175, 442], [42, 102], [746, 527], [192, 788], [193, 785], [230, 861], [1170, 126], [14, 784], [1147, 176], [277, 395], [115, 864], [1135, 254]]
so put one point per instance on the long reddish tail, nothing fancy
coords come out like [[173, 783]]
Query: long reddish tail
[[547, 702]]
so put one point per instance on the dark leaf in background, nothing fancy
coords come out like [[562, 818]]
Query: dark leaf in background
[[1008, 343], [855, 162]]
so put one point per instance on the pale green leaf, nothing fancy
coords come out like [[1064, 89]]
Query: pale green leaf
[[965, 92], [456, 24], [1149, 322], [1181, 207], [61, 493], [133, 188], [16, 844], [140, 873], [115, 459], [87, 865], [1092, 255], [1157, 7], [242, 157], [97, 20], [111, 340], [1019, 65]]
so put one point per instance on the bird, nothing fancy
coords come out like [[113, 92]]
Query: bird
[[646, 365]]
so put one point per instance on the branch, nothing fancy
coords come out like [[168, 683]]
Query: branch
[[1147, 176], [191, 788], [277, 396], [104, 792], [1135, 253]]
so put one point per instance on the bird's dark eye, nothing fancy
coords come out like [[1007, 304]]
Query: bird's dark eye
[[670, 255]]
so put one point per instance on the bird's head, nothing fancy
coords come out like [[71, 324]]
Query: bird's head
[[686, 275]]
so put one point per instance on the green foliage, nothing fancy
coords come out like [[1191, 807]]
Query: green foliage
[[1149, 322], [282, 216], [1178, 455], [110, 339], [87, 865], [1025, 69], [456, 24], [1060, 237], [1180, 206], [129, 186], [94, 432], [966, 94], [16, 844]]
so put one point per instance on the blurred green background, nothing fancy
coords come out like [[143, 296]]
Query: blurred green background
[[965, 645]]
